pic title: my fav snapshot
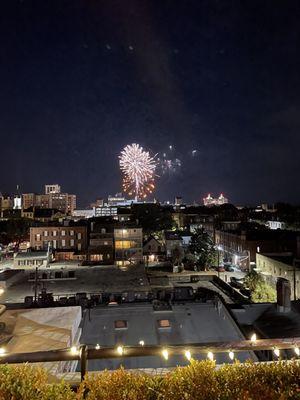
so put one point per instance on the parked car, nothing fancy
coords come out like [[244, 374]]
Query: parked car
[[229, 268]]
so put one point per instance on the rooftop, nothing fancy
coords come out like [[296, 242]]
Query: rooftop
[[188, 323], [32, 254]]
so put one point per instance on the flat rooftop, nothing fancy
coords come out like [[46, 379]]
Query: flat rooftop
[[189, 323], [87, 279]]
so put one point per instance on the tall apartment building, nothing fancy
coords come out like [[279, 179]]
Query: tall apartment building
[[59, 237], [52, 198]]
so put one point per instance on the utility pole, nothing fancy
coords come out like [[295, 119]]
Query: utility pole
[[294, 279]]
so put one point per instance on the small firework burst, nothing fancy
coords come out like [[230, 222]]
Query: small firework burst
[[138, 169]]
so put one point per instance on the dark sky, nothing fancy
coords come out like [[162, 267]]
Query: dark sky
[[79, 79]]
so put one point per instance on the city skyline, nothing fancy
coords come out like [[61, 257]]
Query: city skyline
[[216, 90]]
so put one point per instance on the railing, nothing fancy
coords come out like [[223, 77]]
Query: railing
[[84, 353]]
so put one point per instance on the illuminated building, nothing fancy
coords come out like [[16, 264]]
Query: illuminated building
[[52, 189], [52, 198], [215, 201], [128, 245]]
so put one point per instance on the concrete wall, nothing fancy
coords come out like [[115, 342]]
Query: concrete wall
[[273, 269]]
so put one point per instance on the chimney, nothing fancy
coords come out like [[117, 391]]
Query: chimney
[[283, 288]]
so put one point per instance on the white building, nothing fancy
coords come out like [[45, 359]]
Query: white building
[[275, 224], [90, 213], [52, 189], [32, 260], [106, 211]]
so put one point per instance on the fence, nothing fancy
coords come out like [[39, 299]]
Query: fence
[[84, 353]]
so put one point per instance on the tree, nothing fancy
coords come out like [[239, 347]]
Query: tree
[[177, 255], [263, 293], [252, 279], [202, 247]]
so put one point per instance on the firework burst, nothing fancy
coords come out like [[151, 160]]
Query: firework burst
[[138, 169]]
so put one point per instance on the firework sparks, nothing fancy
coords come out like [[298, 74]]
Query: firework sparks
[[138, 169]]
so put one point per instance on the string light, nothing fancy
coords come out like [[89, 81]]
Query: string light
[[276, 352], [165, 354], [74, 350], [253, 337], [141, 343], [297, 351], [231, 355], [188, 355], [210, 356], [2, 351], [97, 346], [120, 350]]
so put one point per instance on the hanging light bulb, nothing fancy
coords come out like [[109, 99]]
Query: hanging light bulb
[[297, 351], [97, 346], [165, 354], [210, 356], [141, 343], [231, 355], [188, 355], [253, 337], [277, 352], [120, 350], [2, 351], [74, 350]]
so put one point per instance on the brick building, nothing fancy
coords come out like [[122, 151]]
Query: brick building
[[60, 238], [240, 246]]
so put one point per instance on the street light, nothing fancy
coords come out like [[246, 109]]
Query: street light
[[219, 248]]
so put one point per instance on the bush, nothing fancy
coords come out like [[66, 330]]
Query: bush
[[117, 385], [195, 382], [199, 381], [24, 382]]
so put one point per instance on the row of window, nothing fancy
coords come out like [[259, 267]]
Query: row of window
[[62, 233], [38, 236], [99, 257], [61, 243], [30, 262]]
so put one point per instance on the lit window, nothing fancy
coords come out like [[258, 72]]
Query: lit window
[[164, 323], [123, 244], [120, 324], [71, 233], [63, 233], [63, 243], [79, 235]]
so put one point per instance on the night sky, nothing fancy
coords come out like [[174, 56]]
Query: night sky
[[80, 79]]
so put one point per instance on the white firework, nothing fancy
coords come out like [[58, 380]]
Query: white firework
[[138, 169]]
